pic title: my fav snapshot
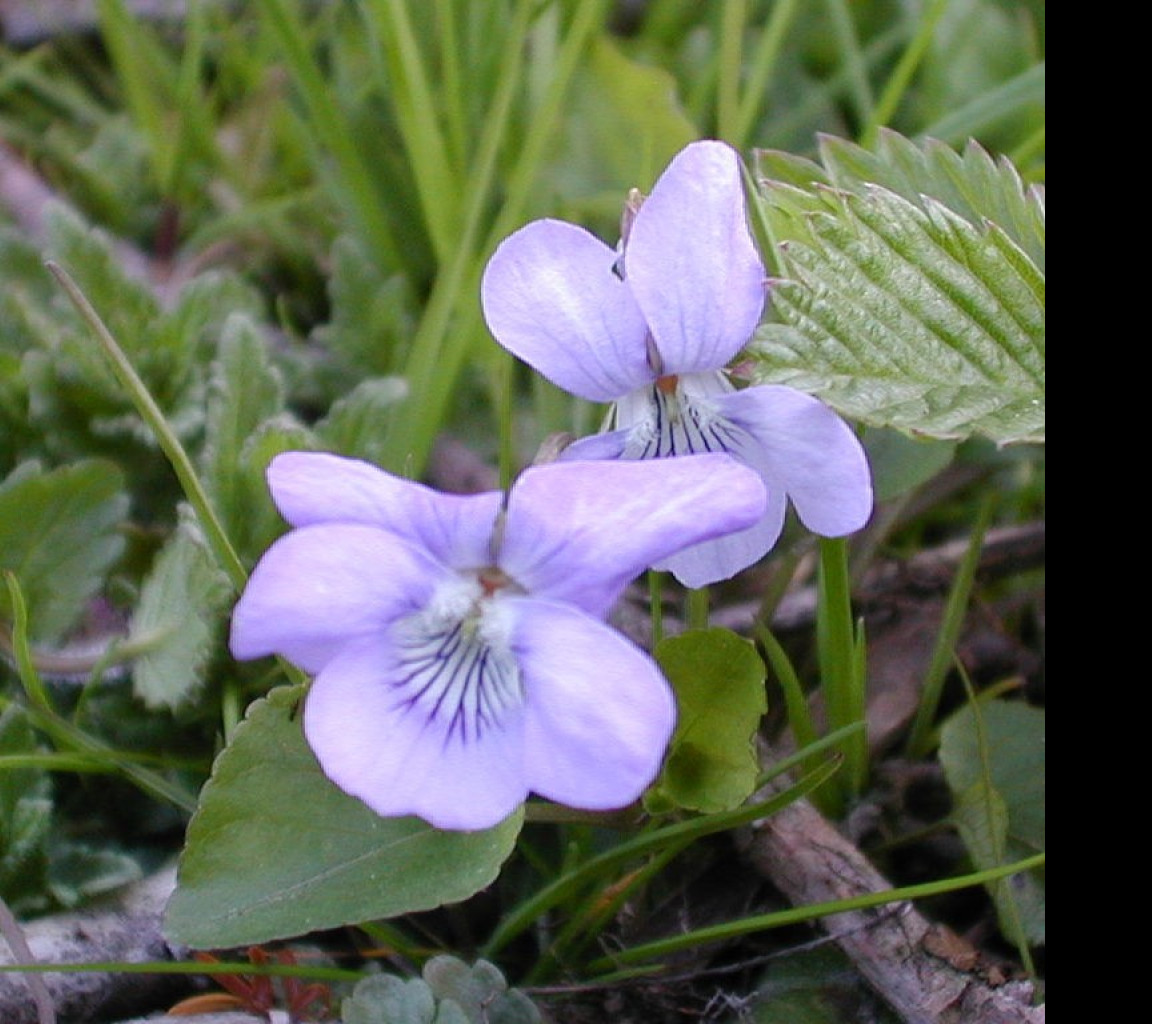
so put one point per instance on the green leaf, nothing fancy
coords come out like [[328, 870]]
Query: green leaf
[[625, 125], [78, 872], [177, 620], [901, 463], [386, 999], [25, 817], [719, 682], [904, 312], [356, 424], [245, 391], [480, 991], [58, 536], [371, 312], [999, 805], [276, 850]]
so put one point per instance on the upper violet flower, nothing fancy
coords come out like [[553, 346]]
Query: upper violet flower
[[457, 641], [650, 327]]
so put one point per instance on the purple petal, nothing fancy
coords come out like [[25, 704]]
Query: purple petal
[[397, 761], [580, 531], [315, 487], [598, 712], [808, 451], [319, 588], [723, 557], [692, 264], [551, 298]]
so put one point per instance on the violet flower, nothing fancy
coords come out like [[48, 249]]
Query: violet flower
[[457, 641], [650, 327]]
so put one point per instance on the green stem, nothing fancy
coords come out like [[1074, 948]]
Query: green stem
[[838, 656], [696, 608], [152, 415]]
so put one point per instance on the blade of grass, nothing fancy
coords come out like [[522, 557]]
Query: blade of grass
[[402, 69], [359, 194], [901, 76], [452, 320], [797, 915], [852, 58], [919, 740], [761, 68], [836, 644], [563, 888]]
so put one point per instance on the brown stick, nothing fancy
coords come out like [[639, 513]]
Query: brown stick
[[800, 852]]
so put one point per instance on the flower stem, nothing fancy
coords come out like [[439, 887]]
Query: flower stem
[[150, 412]]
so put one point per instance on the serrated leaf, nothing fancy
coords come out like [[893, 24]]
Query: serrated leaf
[[177, 620], [356, 424], [719, 682], [910, 317], [245, 391], [276, 850], [371, 313], [58, 536]]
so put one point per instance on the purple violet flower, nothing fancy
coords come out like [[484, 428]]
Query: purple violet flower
[[457, 641], [650, 327]]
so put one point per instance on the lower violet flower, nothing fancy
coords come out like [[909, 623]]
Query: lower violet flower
[[458, 645], [650, 327]]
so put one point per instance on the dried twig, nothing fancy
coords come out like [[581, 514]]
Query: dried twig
[[899, 954]]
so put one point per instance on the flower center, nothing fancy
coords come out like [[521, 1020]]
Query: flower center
[[456, 668], [672, 423]]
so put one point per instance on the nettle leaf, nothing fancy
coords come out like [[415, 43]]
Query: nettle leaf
[[372, 314], [999, 805], [177, 620], [276, 850], [58, 535], [245, 392], [719, 682], [357, 423], [901, 310]]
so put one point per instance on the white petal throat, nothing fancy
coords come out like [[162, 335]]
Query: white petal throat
[[456, 675]]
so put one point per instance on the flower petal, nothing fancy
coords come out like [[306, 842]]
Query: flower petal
[[551, 298], [580, 531], [318, 588], [691, 261], [598, 712], [396, 759], [316, 487], [810, 452]]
